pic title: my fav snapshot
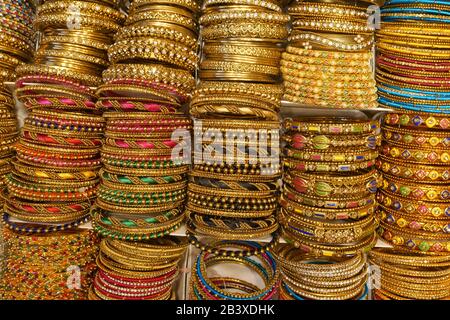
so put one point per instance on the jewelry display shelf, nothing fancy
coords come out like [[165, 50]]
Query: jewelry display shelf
[[288, 110]]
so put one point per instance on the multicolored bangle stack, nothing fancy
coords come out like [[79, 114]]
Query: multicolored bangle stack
[[143, 270], [16, 48], [406, 276], [414, 198], [207, 287], [56, 266], [55, 174], [329, 184], [308, 277], [146, 151], [328, 60], [413, 56]]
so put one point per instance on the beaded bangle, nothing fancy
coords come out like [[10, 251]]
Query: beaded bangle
[[58, 140], [28, 228], [136, 106], [321, 142], [231, 228], [326, 250]]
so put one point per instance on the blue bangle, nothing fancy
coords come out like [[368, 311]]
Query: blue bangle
[[268, 258], [394, 2], [436, 94], [415, 10], [415, 107], [415, 18], [411, 95]]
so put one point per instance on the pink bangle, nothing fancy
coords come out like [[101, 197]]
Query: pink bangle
[[21, 82], [127, 106], [182, 97]]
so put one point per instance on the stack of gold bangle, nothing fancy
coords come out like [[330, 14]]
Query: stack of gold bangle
[[16, 44], [240, 68], [414, 197], [137, 270], [329, 184], [409, 276], [57, 266], [328, 59], [306, 276]]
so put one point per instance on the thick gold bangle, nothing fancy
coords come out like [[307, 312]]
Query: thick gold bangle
[[246, 30], [408, 222], [160, 31], [163, 50], [333, 126], [169, 17], [86, 20], [421, 208], [411, 190], [166, 75], [55, 71], [408, 171]]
